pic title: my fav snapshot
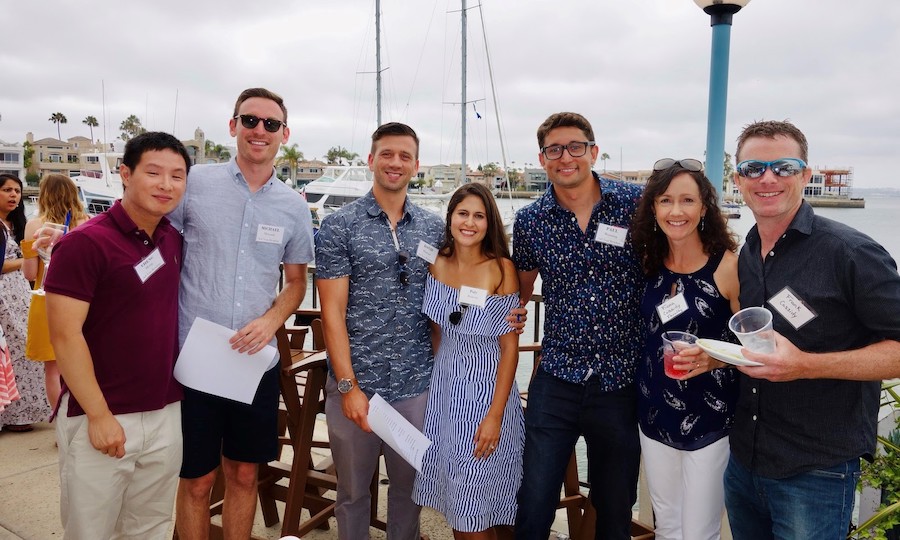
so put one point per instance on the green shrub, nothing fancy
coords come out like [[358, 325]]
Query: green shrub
[[884, 474]]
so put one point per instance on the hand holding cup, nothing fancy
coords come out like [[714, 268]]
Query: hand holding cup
[[673, 342], [46, 237], [753, 327]]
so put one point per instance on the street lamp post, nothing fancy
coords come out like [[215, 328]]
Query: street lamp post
[[720, 12]]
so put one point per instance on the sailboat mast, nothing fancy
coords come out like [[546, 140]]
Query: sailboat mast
[[462, 100], [487, 53], [378, 60]]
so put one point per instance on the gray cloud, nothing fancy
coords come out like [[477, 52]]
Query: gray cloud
[[639, 72]]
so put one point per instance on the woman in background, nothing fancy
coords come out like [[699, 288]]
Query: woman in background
[[472, 471], [8, 391], [32, 405], [690, 264], [58, 202]]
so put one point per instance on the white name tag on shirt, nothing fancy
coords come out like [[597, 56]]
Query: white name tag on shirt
[[612, 235], [149, 265], [672, 308], [269, 234], [792, 308], [471, 296], [427, 251]]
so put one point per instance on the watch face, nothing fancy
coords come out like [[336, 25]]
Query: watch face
[[345, 385]]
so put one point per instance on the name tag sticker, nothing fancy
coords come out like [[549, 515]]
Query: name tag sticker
[[471, 296], [149, 265], [792, 308], [269, 234], [612, 235], [672, 308], [427, 251]]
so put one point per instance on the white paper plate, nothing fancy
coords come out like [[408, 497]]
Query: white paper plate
[[726, 352]]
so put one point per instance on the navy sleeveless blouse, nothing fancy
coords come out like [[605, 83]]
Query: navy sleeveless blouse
[[690, 414]]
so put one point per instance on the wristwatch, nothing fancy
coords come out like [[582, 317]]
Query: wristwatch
[[345, 385]]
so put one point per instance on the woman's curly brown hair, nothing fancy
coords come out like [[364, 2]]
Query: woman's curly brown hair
[[650, 242]]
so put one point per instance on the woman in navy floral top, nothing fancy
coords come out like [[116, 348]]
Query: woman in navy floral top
[[688, 258]]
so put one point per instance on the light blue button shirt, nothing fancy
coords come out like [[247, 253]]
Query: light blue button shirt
[[234, 240]]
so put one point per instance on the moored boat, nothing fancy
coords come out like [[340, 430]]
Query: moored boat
[[99, 184]]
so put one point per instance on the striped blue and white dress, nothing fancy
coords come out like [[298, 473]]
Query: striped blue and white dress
[[473, 495]]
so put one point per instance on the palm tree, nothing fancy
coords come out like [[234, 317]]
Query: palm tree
[[603, 157], [336, 155], [292, 157], [131, 127], [221, 152], [91, 122], [58, 118]]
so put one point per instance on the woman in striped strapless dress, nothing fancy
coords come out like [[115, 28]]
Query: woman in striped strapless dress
[[472, 471]]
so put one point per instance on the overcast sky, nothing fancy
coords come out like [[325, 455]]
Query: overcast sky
[[638, 71]]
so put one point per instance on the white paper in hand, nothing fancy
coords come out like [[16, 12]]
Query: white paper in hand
[[397, 432], [208, 363]]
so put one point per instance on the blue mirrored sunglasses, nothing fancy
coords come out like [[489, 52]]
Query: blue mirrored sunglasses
[[783, 167]]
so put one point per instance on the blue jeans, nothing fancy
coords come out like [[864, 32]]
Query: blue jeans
[[815, 504], [557, 413]]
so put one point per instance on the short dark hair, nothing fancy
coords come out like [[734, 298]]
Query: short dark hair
[[153, 140], [17, 215], [260, 93], [394, 129], [495, 244], [651, 244], [771, 129], [564, 119]]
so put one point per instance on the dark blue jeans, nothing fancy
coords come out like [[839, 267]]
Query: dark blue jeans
[[558, 413], [815, 504]]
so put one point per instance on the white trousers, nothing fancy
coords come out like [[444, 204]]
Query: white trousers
[[132, 497], [686, 489]]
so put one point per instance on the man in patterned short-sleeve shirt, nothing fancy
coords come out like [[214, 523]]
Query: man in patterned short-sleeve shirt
[[372, 283], [576, 237]]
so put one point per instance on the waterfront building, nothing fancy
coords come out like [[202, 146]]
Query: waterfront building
[[196, 148], [307, 171], [12, 159], [52, 155]]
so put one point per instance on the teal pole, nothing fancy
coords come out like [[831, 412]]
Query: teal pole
[[718, 105], [720, 15]]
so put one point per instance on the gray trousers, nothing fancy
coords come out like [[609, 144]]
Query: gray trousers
[[356, 454]]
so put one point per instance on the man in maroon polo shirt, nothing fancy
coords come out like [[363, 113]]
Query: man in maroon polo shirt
[[112, 304]]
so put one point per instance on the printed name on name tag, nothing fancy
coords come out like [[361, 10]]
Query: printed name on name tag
[[269, 234], [471, 296], [427, 251], [610, 234], [149, 265]]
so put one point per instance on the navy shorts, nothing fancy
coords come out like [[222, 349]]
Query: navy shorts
[[213, 427]]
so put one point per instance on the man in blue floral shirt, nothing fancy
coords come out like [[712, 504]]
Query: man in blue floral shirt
[[372, 282], [576, 237]]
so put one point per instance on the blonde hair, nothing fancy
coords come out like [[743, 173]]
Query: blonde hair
[[57, 197]]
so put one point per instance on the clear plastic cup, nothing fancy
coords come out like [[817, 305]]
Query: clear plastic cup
[[673, 342], [753, 327]]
